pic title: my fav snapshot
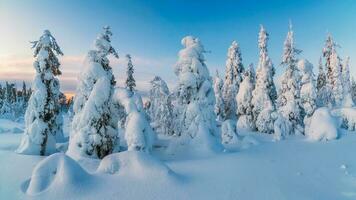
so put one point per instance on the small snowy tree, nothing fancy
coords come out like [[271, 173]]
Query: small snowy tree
[[289, 105], [353, 90], [264, 94], [219, 101], [130, 80], [243, 99], [43, 108], [347, 98], [336, 78], [94, 130], [195, 97], [308, 88], [160, 110], [323, 91], [233, 77]]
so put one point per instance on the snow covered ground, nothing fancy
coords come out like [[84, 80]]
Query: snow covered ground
[[258, 168]]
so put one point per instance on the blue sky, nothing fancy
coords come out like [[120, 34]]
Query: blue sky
[[151, 31]]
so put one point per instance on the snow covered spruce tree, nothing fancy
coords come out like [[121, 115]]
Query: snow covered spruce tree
[[233, 77], [353, 90], [94, 130], [43, 108], [130, 80], [264, 95], [194, 98], [323, 91], [289, 104], [308, 88], [160, 110], [219, 101], [243, 100], [346, 84]]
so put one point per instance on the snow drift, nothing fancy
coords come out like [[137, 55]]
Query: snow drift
[[322, 126]]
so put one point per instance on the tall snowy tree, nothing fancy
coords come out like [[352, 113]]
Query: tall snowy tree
[[346, 84], [264, 95], [323, 90], [43, 109], [194, 97], [336, 78], [289, 104], [219, 101], [94, 130], [130, 80], [243, 99], [233, 77], [160, 110], [308, 94]]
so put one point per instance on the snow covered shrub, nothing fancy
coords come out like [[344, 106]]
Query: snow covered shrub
[[56, 171], [194, 96], [42, 114], [282, 127], [94, 130], [322, 126], [243, 100], [228, 132], [264, 94], [348, 117], [160, 109], [289, 102], [308, 89], [233, 77], [138, 132]]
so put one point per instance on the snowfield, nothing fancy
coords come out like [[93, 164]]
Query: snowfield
[[255, 168]]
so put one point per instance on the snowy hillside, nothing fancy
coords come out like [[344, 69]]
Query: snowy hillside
[[257, 168]]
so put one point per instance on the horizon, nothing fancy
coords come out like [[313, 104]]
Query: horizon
[[153, 36]]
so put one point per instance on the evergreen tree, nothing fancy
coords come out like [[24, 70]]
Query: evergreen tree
[[243, 99], [346, 84], [42, 112], [219, 101], [160, 110], [130, 80], [264, 94], [94, 130], [308, 88], [233, 77], [194, 97], [289, 105], [353, 90], [336, 78], [323, 91]]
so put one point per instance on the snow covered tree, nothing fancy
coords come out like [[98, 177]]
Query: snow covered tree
[[194, 97], [94, 129], [264, 94], [346, 84], [43, 109], [308, 88], [243, 99], [353, 90], [130, 81], [160, 110], [336, 78], [219, 101], [233, 77], [323, 90], [289, 104]]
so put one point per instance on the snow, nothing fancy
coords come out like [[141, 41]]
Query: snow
[[322, 126], [9, 126]]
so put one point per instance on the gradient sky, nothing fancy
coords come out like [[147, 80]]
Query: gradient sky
[[151, 32]]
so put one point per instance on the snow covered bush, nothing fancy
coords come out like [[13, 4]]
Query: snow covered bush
[[228, 132], [55, 172], [43, 108], [139, 135], [233, 77], [243, 100], [94, 130], [348, 117], [322, 126], [264, 95], [289, 102], [282, 127], [160, 108], [194, 97], [219, 101]]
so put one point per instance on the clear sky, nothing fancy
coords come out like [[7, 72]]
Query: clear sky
[[151, 32]]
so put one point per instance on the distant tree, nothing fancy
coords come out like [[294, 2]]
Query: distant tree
[[42, 112], [219, 101], [130, 80], [323, 90], [346, 84]]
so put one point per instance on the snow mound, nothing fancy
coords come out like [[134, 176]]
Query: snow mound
[[134, 164], [9, 126], [56, 171], [322, 126], [348, 116]]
